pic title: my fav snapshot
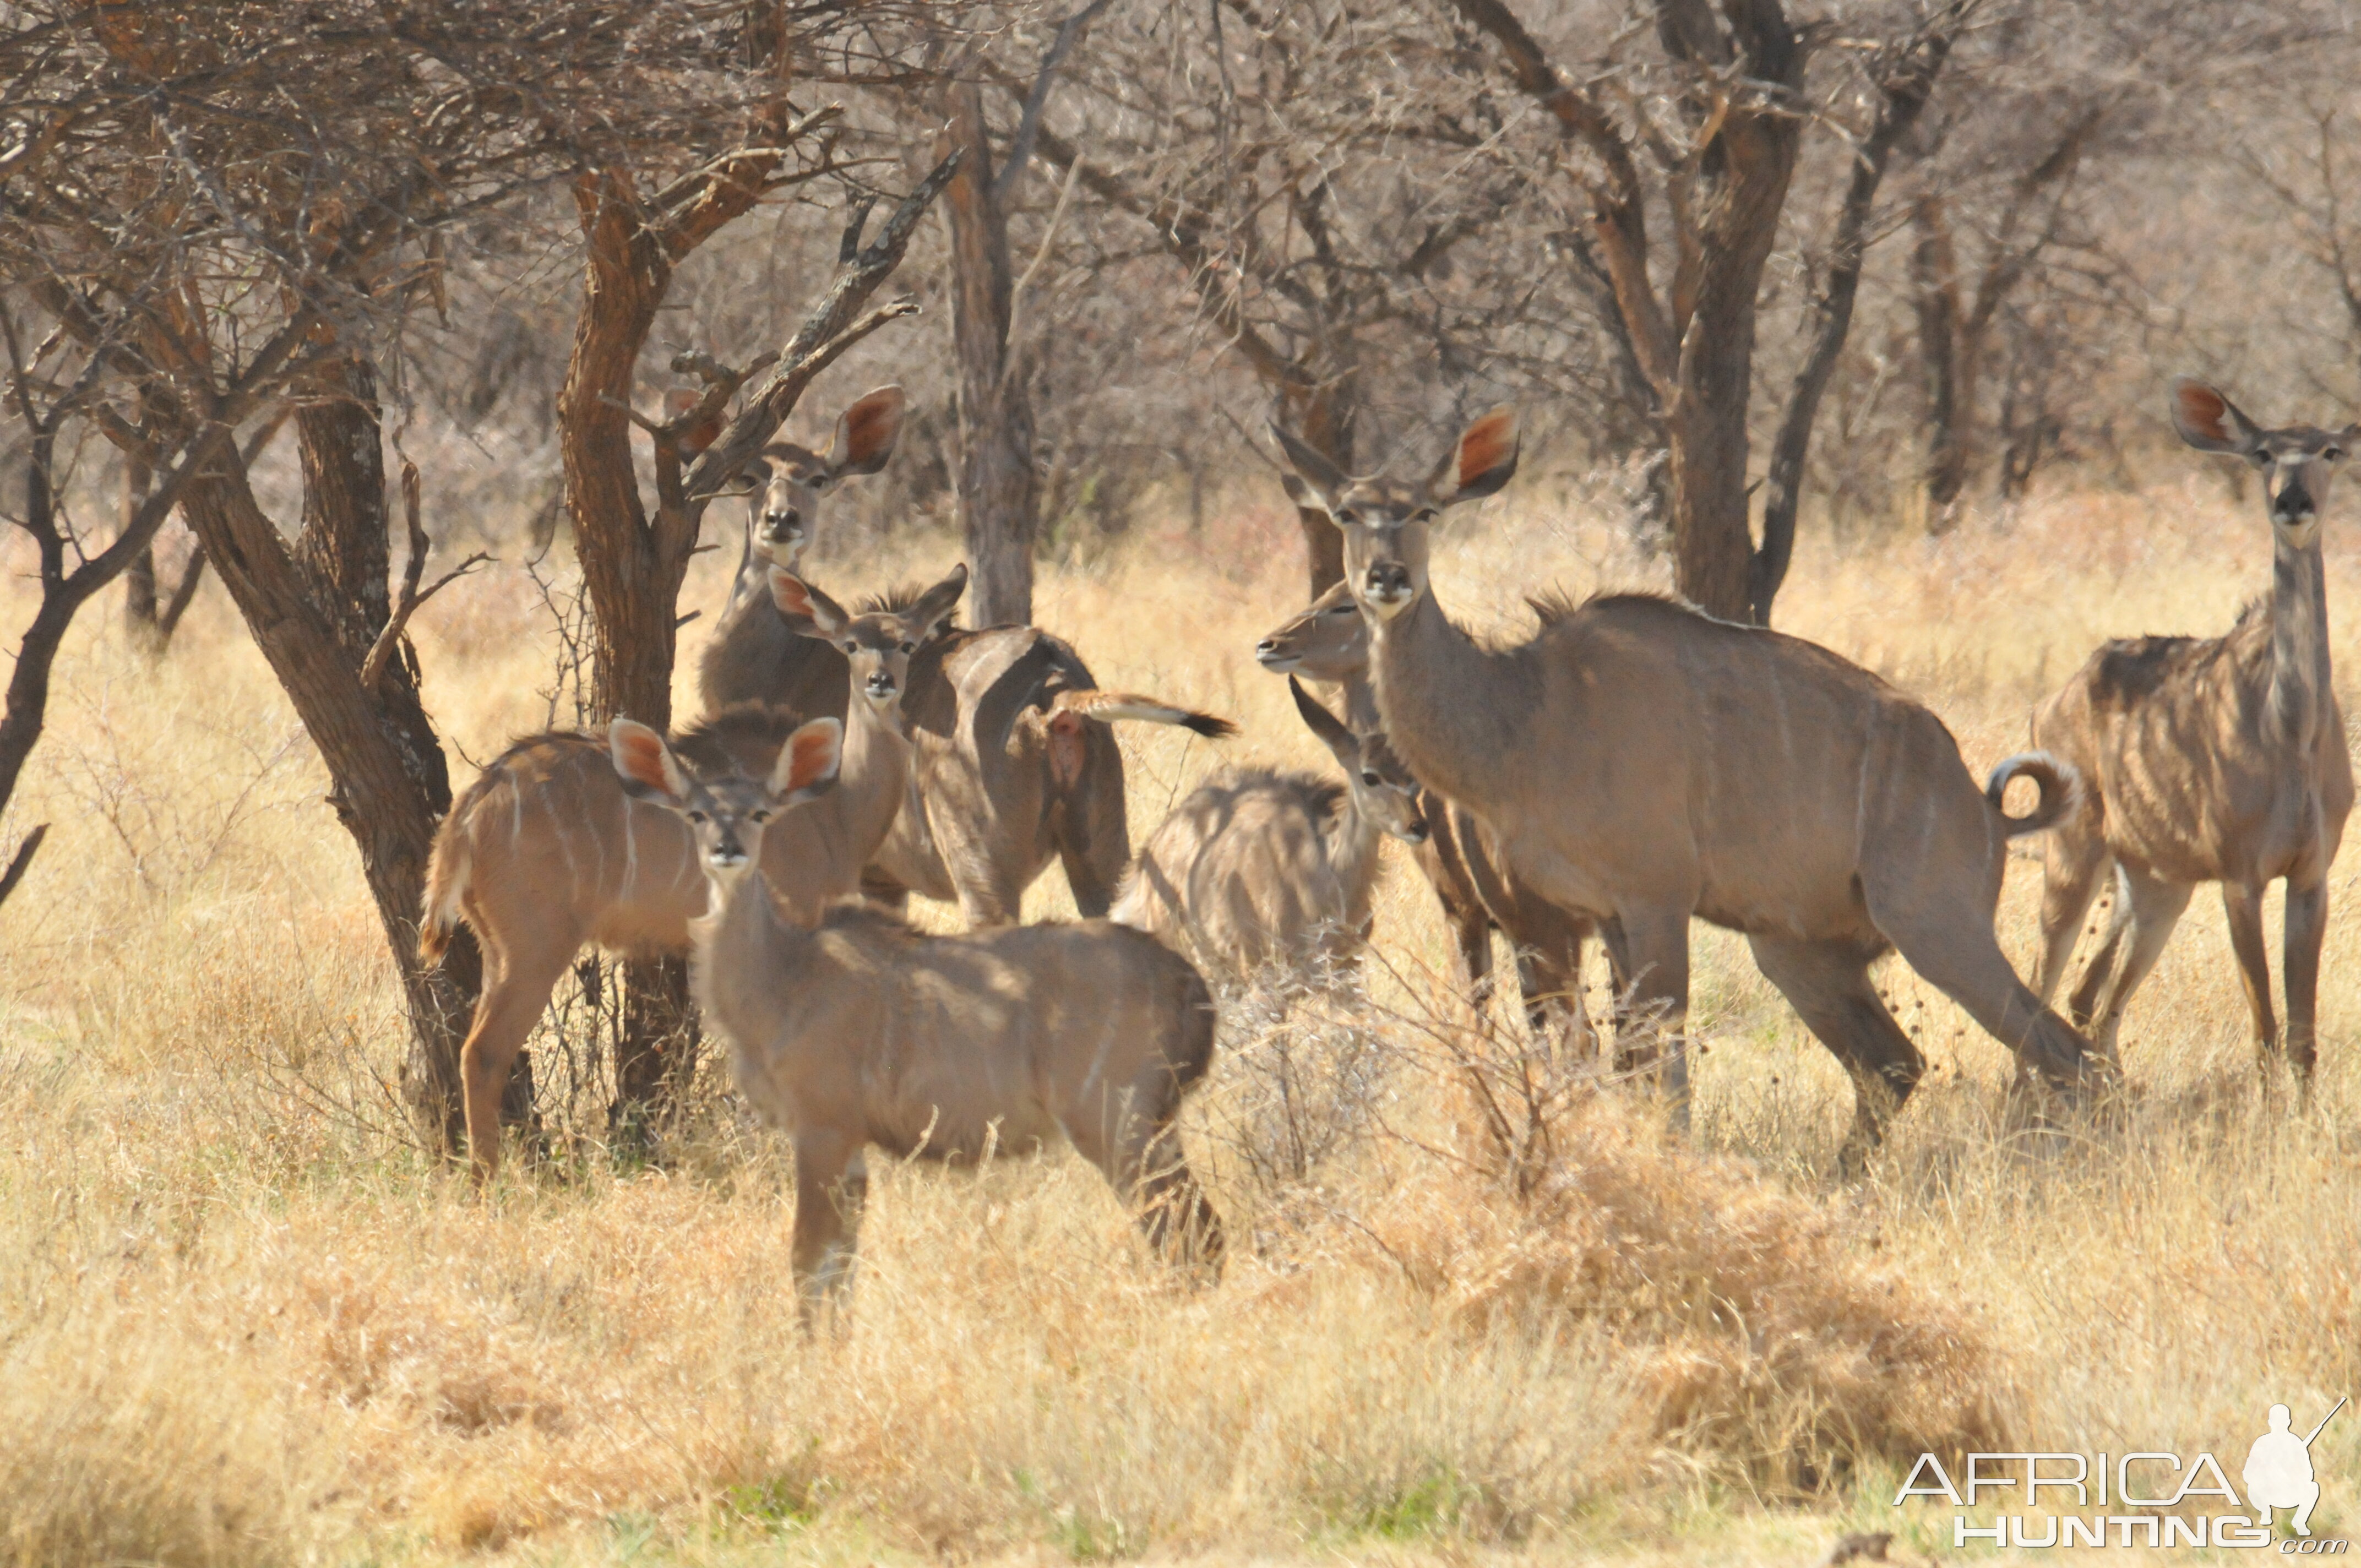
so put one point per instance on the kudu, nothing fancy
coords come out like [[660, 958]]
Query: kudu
[[545, 851], [862, 1031], [1639, 764], [785, 485], [1015, 765], [2216, 759], [1262, 869], [1328, 641]]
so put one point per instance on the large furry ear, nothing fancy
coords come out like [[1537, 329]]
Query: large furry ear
[[866, 433], [2210, 422], [809, 613], [1485, 459], [807, 762], [934, 607], [1318, 481], [1333, 733], [645, 764]]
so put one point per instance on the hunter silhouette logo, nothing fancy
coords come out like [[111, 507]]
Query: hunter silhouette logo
[[2278, 1471], [2149, 1498]]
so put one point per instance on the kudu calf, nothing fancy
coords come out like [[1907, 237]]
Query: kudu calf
[[1328, 641], [1639, 764], [784, 486], [1015, 765], [2216, 759], [1262, 869], [545, 852], [863, 1031]]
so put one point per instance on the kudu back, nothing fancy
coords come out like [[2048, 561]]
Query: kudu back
[[545, 851], [1641, 764], [1262, 869], [863, 1031], [2217, 759]]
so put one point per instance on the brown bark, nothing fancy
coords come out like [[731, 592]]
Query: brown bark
[[1693, 340], [315, 608], [139, 578], [999, 491], [1949, 350]]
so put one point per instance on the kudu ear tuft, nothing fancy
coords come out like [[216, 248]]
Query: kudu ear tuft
[[2210, 422], [1485, 459], [807, 762], [809, 613], [1332, 732], [1320, 482], [866, 433], [645, 764]]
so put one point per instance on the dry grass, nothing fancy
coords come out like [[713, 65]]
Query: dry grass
[[240, 1322]]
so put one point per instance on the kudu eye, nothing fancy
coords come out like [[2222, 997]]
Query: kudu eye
[[850, 646], [1370, 779], [2330, 453], [696, 817], [909, 647], [760, 815]]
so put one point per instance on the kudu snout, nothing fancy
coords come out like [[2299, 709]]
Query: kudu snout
[[785, 526], [880, 686], [1270, 655], [2294, 504], [1388, 581]]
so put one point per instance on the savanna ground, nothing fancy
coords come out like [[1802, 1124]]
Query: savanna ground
[[243, 1322]]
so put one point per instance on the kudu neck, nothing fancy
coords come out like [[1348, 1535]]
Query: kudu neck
[[2299, 669], [1456, 713], [1361, 702]]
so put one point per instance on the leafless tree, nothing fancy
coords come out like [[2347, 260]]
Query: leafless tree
[[220, 205]]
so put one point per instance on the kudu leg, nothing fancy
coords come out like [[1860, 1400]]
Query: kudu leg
[[1656, 944], [2071, 865], [1947, 937], [2153, 909], [2244, 906], [1828, 983], [1137, 1148], [831, 1184], [516, 989], [2307, 924]]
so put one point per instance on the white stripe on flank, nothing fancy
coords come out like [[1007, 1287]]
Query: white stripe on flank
[[630, 849], [564, 839]]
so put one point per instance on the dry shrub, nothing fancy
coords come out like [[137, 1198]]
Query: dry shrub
[[123, 1441], [1763, 1336]]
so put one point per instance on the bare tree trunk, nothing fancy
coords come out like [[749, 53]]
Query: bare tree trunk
[[1325, 425], [1943, 363], [632, 586], [139, 578], [315, 609], [1904, 95], [999, 493]]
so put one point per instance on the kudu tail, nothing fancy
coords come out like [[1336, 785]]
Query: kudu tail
[[1108, 707], [2059, 782], [449, 871]]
